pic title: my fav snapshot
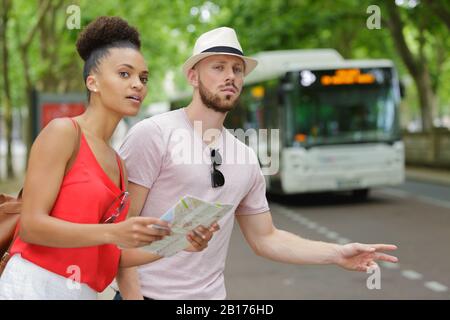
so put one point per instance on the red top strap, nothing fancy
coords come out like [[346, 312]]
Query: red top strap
[[119, 163], [75, 123]]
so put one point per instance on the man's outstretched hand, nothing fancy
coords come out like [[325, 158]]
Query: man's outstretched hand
[[362, 257]]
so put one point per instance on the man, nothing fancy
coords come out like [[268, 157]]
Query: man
[[187, 151]]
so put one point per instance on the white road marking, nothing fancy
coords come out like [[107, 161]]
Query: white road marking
[[343, 240], [411, 275], [435, 202], [405, 194], [302, 220], [289, 214], [332, 235], [436, 286], [389, 265], [299, 219], [322, 230], [288, 281], [311, 225]]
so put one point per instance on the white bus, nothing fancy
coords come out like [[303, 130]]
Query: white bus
[[338, 121]]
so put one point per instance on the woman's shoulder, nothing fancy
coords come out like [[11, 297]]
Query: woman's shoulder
[[60, 131], [61, 125]]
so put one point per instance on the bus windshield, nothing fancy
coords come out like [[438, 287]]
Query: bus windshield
[[345, 114]]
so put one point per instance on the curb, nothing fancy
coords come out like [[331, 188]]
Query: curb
[[441, 177]]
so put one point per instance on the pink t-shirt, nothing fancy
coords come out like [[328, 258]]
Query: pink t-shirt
[[166, 155]]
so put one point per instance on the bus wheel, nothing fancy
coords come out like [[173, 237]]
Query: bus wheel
[[360, 194]]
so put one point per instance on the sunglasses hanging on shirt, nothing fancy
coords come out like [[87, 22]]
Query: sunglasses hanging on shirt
[[217, 178]]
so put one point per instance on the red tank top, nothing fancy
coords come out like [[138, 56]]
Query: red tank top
[[85, 195]]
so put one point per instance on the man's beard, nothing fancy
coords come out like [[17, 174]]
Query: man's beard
[[214, 101]]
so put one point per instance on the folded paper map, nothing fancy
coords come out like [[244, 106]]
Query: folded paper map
[[185, 216]]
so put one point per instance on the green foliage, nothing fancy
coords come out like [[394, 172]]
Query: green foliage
[[169, 28]]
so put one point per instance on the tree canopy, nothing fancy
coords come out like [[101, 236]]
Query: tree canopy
[[42, 48]]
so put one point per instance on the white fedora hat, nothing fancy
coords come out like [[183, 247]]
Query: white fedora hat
[[218, 41]]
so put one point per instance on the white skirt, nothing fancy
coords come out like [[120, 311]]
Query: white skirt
[[23, 280]]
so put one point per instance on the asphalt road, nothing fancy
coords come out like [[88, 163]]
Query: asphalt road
[[414, 216]]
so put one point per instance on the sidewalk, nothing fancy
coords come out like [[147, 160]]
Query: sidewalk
[[424, 174]]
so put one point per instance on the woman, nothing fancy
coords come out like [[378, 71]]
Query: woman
[[75, 199]]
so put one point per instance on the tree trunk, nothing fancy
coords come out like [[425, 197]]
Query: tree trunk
[[24, 47], [426, 98], [7, 90], [416, 65], [28, 91]]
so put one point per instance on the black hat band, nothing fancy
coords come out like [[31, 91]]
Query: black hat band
[[224, 49]]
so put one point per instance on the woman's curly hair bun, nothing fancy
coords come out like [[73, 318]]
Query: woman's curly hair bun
[[104, 31]]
